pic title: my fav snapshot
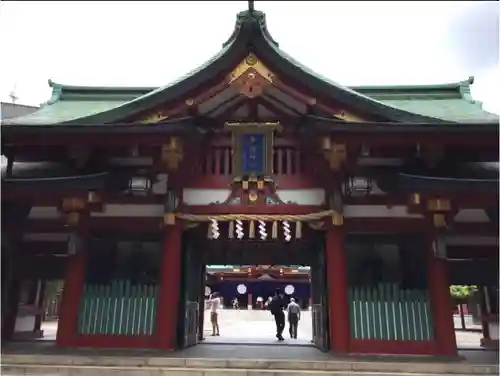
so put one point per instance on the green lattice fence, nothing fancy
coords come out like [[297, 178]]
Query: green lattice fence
[[386, 312], [119, 308]]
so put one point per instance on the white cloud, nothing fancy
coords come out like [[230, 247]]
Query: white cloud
[[152, 43]]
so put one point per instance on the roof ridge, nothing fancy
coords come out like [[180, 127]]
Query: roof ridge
[[441, 86], [454, 85]]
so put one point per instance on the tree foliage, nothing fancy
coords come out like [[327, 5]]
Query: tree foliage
[[462, 292]]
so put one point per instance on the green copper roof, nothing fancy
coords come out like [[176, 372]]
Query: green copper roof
[[450, 102]]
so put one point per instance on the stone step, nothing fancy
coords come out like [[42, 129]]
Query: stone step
[[53, 370], [156, 366]]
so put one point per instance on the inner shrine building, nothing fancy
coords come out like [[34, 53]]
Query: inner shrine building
[[388, 193]]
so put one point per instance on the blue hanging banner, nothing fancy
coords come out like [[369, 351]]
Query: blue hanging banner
[[254, 153]]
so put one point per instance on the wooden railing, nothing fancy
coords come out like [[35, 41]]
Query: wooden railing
[[218, 162], [119, 308], [287, 161], [385, 312]]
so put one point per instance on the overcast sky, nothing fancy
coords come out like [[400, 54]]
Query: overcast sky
[[152, 43]]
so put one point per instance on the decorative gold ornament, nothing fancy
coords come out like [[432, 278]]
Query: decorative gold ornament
[[169, 219], [439, 205], [253, 196], [251, 76], [337, 219], [415, 199], [93, 197], [251, 230], [336, 155], [251, 61], [439, 220], [73, 219], [274, 230], [73, 204], [298, 230], [154, 118], [348, 116], [172, 153]]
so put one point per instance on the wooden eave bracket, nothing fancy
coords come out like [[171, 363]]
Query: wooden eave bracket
[[335, 154]]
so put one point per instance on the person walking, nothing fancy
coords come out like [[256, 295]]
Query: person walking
[[236, 304], [293, 311], [215, 304], [277, 306]]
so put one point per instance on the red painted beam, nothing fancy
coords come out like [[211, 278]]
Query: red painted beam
[[215, 209], [297, 181], [383, 224]]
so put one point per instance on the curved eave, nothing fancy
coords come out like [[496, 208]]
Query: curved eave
[[251, 34], [81, 182], [475, 177], [420, 183], [452, 90], [183, 126], [327, 125]]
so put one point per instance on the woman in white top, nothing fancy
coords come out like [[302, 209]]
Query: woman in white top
[[214, 313]]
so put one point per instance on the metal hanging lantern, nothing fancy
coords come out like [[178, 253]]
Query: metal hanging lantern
[[357, 186], [140, 185]]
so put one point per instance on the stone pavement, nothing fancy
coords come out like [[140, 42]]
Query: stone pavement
[[255, 327]]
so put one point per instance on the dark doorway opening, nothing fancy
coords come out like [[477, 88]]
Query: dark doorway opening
[[196, 286]]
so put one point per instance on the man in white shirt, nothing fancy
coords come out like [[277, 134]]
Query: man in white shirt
[[293, 311], [215, 304]]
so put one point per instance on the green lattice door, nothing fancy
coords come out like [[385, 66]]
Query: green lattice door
[[189, 317], [319, 300]]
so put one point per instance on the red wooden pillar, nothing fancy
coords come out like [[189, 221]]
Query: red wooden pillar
[[441, 302], [73, 289], [168, 301], [337, 290]]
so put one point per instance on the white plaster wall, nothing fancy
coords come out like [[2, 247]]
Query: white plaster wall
[[130, 210], [44, 212], [46, 237], [198, 196], [493, 330], [131, 161], [24, 323], [161, 184], [472, 215], [302, 196], [472, 240], [376, 190], [378, 211]]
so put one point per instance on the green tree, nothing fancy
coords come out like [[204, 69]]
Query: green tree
[[460, 292]]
